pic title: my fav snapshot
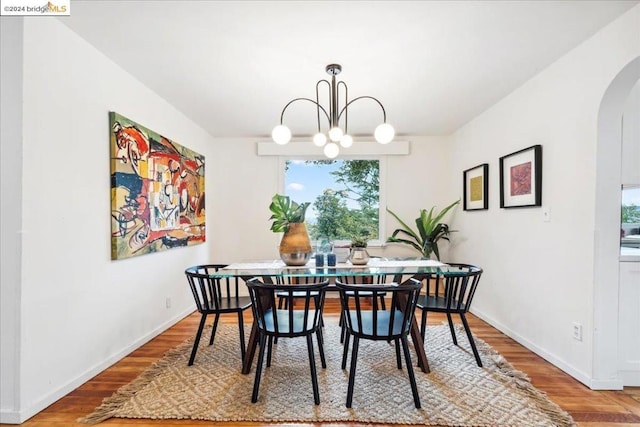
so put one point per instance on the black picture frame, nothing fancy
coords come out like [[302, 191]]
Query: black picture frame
[[475, 188], [521, 178]]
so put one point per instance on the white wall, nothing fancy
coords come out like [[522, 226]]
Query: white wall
[[79, 311], [631, 138], [10, 209], [539, 276], [249, 181]]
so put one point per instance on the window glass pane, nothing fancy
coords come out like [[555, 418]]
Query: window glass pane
[[344, 196], [630, 220]]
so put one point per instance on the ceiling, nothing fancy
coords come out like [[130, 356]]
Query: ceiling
[[231, 66]]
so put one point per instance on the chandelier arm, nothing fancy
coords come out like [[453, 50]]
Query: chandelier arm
[[384, 113], [346, 100], [303, 99], [318, 101]]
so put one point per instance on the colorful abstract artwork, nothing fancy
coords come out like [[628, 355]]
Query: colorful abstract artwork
[[157, 191], [476, 188], [521, 178]]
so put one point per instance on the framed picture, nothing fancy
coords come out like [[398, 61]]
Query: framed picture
[[521, 178], [476, 188], [157, 191]]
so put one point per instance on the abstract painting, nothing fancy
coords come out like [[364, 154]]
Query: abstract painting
[[157, 191], [521, 178], [476, 188]]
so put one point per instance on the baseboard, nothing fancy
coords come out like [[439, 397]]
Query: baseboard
[[557, 362], [18, 417]]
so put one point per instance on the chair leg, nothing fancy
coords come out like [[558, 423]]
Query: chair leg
[[382, 303], [317, 300], [398, 359], [471, 341], [197, 339], [320, 338], [270, 345], [345, 351], [314, 375], [343, 330], [241, 330], [453, 332], [214, 328], [412, 377], [256, 382], [423, 324], [352, 371]]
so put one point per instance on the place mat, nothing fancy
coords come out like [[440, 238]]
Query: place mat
[[456, 392]]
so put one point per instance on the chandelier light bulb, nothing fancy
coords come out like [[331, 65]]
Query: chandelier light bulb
[[384, 133], [331, 150], [346, 141], [319, 139], [335, 134], [281, 134]]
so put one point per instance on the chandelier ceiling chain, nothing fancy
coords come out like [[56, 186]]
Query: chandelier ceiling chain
[[384, 133]]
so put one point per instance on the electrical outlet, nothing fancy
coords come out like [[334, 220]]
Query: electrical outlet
[[168, 302], [577, 331]]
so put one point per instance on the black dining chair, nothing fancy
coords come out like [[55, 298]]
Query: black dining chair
[[216, 296], [364, 319], [450, 293], [296, 320]]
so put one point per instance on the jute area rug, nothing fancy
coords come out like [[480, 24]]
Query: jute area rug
[[456, 392]]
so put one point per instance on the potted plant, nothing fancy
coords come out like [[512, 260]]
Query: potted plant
[[288, 217], [429, 231], [358, 254]]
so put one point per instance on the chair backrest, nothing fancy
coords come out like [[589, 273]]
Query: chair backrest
[[209, 292], [367, 319], [291, 321], [457, 287]]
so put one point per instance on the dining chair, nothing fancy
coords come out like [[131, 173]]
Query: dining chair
[[290, 322], [216, 296], [450, 294], [364, 320]]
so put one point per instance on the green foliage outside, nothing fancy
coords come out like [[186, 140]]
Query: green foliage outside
[[361, 180], [630, 214]]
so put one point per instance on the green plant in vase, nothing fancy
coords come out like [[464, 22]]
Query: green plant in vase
[[288, 217], [358, 254], [429, 230]]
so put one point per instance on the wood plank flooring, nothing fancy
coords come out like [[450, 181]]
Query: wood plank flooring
[[589, 408]]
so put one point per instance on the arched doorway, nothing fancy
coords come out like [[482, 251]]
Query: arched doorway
[[607, 225]]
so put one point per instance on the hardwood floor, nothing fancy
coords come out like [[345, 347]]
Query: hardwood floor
[[588, 408]]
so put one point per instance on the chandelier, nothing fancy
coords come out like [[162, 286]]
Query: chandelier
[[337, 136]]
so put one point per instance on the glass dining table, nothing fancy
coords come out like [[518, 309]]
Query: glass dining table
[[395, 270]]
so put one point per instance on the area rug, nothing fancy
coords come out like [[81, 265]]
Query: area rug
[[456, 392]]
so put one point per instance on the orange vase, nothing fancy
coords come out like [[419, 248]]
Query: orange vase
[[295, 246]]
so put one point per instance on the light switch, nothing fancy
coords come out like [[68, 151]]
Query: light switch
[[546, 214]]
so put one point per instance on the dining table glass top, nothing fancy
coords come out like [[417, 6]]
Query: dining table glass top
[[375, 266]]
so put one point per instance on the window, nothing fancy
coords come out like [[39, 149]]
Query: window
[[345, 196], [630, 220]]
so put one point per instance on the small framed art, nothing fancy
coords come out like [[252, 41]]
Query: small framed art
[[476, 188], [521, 178]]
